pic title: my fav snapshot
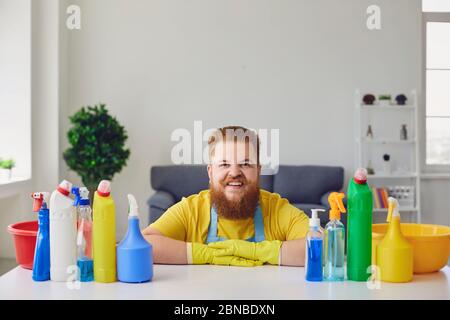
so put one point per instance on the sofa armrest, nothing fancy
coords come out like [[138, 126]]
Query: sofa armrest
[[158, 203], [161, 200], [324, 199]]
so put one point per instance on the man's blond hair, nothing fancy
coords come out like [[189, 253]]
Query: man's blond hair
[[234, 133]]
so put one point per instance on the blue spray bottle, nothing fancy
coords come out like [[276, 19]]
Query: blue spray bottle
[[314, 248], [134, 253], [41, 262], [85, 261]]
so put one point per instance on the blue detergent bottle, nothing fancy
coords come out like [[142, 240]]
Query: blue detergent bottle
[[314, 248], [134, 253], [85, 260], [41, 262]]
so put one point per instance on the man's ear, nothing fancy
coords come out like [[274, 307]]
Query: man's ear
[[209, 168]]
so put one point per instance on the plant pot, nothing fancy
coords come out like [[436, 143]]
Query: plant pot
[[385, 103], [4, 175]]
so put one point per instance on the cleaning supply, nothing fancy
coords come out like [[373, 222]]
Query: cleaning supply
[[134, 253], [85, 262], [63, 233], [314, 248], [334, 252], [395, 253], [359, 227], [265, 251], [104, 234], [41, 262]]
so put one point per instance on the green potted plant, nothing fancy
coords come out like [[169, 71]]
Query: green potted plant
[[384, 99], [7, 165], [97, 148]]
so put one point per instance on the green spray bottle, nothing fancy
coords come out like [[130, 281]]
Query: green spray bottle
[[359, 228]]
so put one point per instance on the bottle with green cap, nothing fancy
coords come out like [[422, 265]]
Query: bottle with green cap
[[359, 227]]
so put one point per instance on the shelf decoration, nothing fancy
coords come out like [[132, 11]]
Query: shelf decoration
[[387, 164], [401, 99], [403, 133], [369, 99], [385, 99]]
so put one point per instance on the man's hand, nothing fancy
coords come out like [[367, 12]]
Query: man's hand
[[264, 251], [203, 254]]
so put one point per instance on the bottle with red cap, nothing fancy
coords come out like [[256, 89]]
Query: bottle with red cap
[[63, 233], [359, 228], [104, 234]]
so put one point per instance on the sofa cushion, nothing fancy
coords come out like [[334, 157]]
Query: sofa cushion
[[180, 180], [307, 184]]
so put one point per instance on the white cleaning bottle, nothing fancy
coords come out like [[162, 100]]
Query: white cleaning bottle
[[63, 233]]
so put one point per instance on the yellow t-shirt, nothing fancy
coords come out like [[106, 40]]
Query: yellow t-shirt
[[188, 220]]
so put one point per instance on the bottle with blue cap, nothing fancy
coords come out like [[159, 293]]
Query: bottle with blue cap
[[314, 248], [85, 262], [134, 253], [41, 262]]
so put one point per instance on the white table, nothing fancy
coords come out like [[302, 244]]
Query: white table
[[217, 282]]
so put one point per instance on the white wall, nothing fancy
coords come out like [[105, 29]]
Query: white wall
[[292, 65]]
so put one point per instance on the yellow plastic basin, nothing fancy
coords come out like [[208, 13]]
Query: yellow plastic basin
[[431, 244]]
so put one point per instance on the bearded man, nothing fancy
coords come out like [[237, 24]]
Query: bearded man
[[234, 222]]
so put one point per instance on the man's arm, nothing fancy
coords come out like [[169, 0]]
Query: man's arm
[[293, 253], [165, 250]]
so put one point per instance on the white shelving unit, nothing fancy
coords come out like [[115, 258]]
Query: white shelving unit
[[386, 124]]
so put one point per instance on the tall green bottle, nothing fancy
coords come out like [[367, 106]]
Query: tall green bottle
[[359, 227]]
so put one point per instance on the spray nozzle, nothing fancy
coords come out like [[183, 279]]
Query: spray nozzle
[[336, 205], [40, 200], [76, 192], [84, 196], [133, 207], [315, 221], [393, 210]]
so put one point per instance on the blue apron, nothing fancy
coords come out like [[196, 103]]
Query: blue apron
[[257, 221]]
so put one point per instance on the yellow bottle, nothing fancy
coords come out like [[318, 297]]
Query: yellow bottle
[[104, 234], [394, 253]]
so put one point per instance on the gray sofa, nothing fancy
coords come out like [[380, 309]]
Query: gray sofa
[[306, 187]]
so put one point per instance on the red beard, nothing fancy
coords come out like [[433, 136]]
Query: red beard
[[240, 209]]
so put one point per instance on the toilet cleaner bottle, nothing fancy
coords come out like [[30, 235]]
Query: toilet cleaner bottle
[[314, 248], [395, 252], [104, 234], [334, 252], [63, 233], [134, 253], [359, 227], [41, 262]]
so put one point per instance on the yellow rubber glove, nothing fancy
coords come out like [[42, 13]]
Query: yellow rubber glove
[[264, 251], [202, 254]]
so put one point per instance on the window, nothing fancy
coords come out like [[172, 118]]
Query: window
[[437, 82], [15, 88], [435, 6]]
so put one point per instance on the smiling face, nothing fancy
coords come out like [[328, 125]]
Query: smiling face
[[234, 179]]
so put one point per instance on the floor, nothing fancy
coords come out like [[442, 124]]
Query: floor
[[6, 265]]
